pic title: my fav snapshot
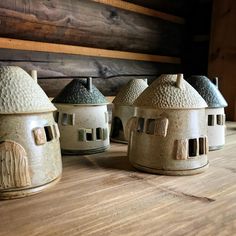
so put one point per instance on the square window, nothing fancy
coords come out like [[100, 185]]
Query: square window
[[192, 147], [56, 116], [150, 126], [68, 119], [211, 120], [140, 125]]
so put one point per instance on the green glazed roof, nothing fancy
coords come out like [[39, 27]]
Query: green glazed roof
[[166, 93], [76, 93], [208, 91], [129, 93], [19, 93]]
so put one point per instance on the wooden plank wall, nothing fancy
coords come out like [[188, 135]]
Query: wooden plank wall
[[156, 38], [222, 57]]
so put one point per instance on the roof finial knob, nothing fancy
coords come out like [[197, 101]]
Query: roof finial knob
[[215, 81], [90, 84], [180, 81], [34, 75]]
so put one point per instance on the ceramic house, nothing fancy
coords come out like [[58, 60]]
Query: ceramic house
[[123, 110], [29, 137], [168, 133], [82, 118], [214, 112]]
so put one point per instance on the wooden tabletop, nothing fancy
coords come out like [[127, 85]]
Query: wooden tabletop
[[103, 195]]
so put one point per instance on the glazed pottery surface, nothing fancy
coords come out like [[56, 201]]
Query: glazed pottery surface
[[29, 137], [123, 108], [168, 131]]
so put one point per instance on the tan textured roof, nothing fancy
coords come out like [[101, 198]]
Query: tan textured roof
[[19, 93], [129, 93], [170, 92]]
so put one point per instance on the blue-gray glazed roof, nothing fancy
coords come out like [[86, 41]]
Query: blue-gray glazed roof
[[77, 93], [208, 91]]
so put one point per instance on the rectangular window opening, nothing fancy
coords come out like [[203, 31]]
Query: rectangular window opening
[[89, 134], [192, 147], [220, 119], [211, 120], [150, 126], [98, 133], [56, 116], [49, 133], [67, 119], [140, 125], [202, 146]]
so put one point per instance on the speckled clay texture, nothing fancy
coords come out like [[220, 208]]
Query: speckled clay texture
[[76, 92], [163, 93], [20, 93], [208, 91], [129, 93]]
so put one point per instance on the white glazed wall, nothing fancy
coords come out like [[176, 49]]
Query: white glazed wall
[[90, 117]]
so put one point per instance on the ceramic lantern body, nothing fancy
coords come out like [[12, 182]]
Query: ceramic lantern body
[[82, 118], [168, 133], [84, 129], [29, 137], [215, 111], [123, 108]]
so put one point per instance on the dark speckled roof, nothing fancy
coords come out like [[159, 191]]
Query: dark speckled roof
[[76, 92], [208, 91]]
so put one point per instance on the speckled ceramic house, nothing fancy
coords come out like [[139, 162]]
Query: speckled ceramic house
[[214, 112], [123, 110], [82, 118], [168, 134], [29, 137]]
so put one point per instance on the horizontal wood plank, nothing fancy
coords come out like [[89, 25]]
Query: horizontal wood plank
[[85, 51], [103, 194], [142, 10], [89, 24]]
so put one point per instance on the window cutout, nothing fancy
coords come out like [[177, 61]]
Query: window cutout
[[49, 133], [211, 120], [89, 134], [67, 119], [98, 133], [140, 125], [150, 126], [202, 146], [117, 128], [192, 147], [81, 134], [220, 119], [105, 134], [56, 116]]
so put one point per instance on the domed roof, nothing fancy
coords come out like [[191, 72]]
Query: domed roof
[[77, 92], [170, 92], [20, 93], [208, 91], [129, 93]]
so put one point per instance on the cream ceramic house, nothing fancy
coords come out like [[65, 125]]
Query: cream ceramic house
[[215, 111], [82, 118], [29, 137], [168, 134], [123, 110]]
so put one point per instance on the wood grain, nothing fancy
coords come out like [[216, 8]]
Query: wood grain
[[28, 45], [103, 195], [56, 70], [142, 10], [222, 58], [89, 24]]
